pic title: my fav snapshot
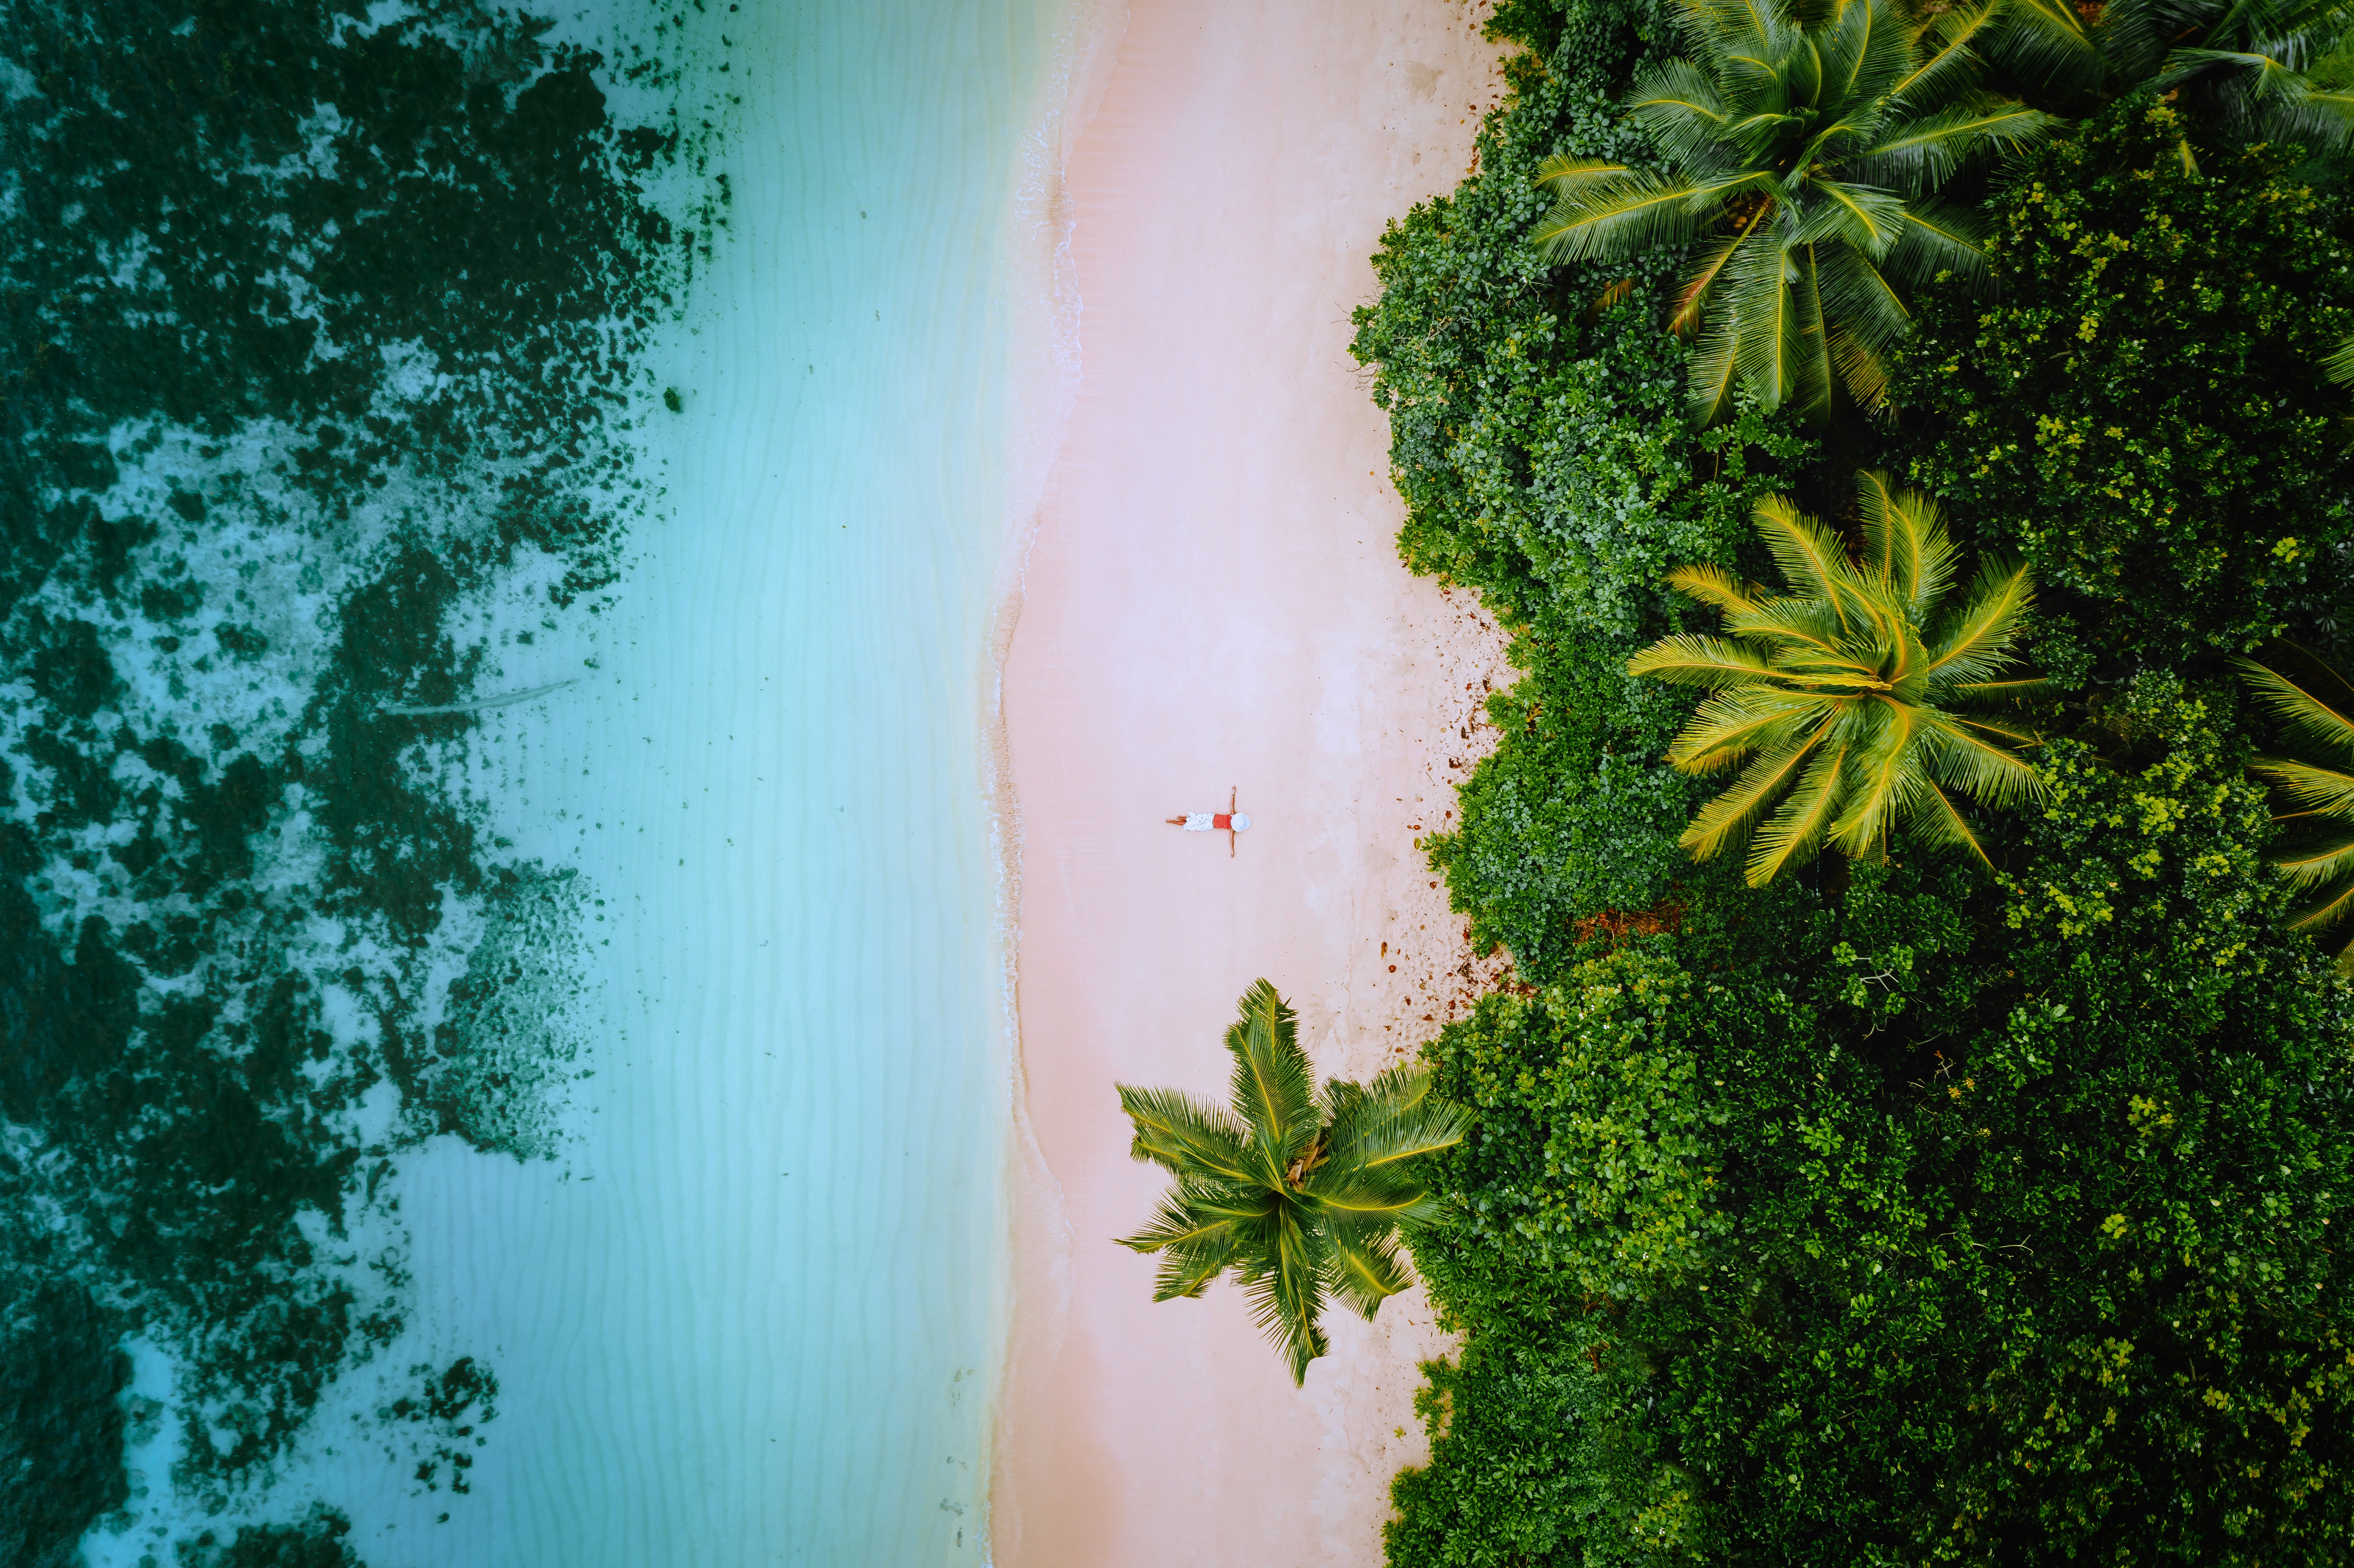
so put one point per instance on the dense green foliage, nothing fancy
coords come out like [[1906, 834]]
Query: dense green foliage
[[1914, 1209], [2143, 413], [1546, 460], [1805, 150]]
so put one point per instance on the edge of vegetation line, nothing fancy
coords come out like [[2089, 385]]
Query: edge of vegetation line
[[1965, 1191]]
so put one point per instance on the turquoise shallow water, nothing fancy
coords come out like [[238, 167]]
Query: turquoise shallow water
[[507, 1058]]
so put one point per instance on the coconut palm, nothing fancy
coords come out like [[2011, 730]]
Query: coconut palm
[[1841, 695], [1300, 1191], [2315, 704], [1808, 152], [2242, 63]]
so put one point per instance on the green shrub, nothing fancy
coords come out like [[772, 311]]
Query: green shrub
[[1904, 1212], [1546, 460], [2143, 413], [1930, 1220]]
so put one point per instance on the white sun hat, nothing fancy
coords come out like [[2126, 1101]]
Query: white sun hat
[[1242, 824]]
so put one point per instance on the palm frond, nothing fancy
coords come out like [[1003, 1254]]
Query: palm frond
[[1565, 174], [1620, 217], [1725, 731], [2318, 710], [2025, 688], [1871, 322], [1174, 1224], [1713, 585], [1688, 659], [2317, 116], [1818, 377], [1196, 1244], [2132, 36], [1365, 1268], [1904, 538], [1728, 817], [1939, 238], [1796, 828], [1996, 734], [2332, 914], [1692, 299], [1864, 368], [2339, 366], [2322, 852], [1950, 62], [1923, 154], [1809, 558], [1936, 819], [2047, 41], [1881, 782], [1186, 1136], [1273, 1090], [1959, 753], [1813, 624], [1974, 645], [1886, 551], [1679, 104], [1710, 377], [1281, 1284], [1867, 50], [1383, 1135], [1767, 292], [2308, 787], [1870, 219]]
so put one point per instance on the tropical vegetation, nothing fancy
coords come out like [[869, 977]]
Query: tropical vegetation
[[1843, 695], [2244, 65], [1925, 1204], [2314, 705], [1299, 1190], [1808, 150]]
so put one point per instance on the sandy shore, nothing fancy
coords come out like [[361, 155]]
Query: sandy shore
[[1212, 599]]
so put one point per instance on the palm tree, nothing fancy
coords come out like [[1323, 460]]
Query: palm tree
[[1841, 696], [2242, 63], [2315, 704], [1812, 150], [1300, 1191]]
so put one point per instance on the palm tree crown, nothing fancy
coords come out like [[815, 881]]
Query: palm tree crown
[[1299, 1190], [1840, 695], [2316, 705], [2243, 62], [1812, 150]]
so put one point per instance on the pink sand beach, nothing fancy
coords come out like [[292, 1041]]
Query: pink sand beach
[[1212, 600]]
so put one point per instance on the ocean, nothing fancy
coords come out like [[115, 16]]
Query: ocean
[[504, 964]]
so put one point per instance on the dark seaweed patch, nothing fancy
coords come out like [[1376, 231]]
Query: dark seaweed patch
[[448, 1408], [70, 667], [317, 338], [322, 1540], [61, 1423]]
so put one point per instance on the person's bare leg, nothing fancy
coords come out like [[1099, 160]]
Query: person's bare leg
[[1174, 822]]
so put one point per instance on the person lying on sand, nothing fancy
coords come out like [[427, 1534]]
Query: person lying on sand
[[1228, 822]]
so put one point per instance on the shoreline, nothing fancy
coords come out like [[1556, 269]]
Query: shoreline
[[1211, 598]]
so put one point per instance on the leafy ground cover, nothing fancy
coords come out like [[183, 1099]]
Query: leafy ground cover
[[1912, 1207]]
